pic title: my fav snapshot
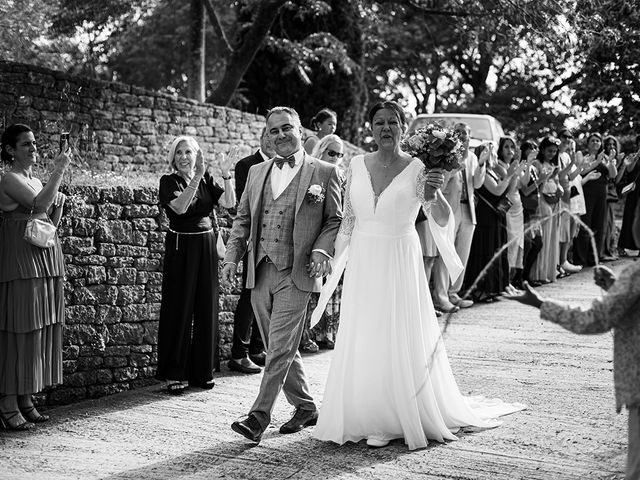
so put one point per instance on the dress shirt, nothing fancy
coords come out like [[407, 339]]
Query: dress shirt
[[281, 177], [264, 156]]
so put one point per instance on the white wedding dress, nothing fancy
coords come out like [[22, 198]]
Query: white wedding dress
[[390, 375]]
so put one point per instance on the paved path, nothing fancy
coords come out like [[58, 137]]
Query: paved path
[[570, 430]]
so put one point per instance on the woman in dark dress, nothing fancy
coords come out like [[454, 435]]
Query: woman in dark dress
[[630, 194], [595, 196], [188, 329], [490, 233]]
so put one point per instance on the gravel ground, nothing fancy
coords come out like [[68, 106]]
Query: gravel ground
[[570, 431]]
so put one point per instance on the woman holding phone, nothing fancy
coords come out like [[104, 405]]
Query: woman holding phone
[[31, 281]]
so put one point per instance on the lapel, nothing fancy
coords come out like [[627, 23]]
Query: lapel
[[256, 199], [306, 172]]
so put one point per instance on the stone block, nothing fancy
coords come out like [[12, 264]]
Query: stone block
[[70, 352], [129, 294], [135, 312], [120, 262], [78, 245], [114, 362], [79, 314], [139, 239], [78, 334], [150, 333], [95, 275], [117, 351], [107, 314], [139, 360], [156, 247], [83, 227], [97, 391], [109, 211], [89, 363], [107, 249], [147, 264], [154, 296], [103, 376], [95, 295], [126, 334], [141, 211], [114, 231], [145, 224], [125, 374], [73, 271], [142, 278], [121, 276], [141, 349], [120, 195], [69, 366], [89, 260]]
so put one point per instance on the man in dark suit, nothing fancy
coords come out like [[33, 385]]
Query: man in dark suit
[[247, 350], [287, 222]]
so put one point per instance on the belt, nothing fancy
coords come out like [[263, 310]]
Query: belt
[[188, 233], [464, 201]]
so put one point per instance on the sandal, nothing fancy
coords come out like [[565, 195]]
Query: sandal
[[32, 415], [176, 388], [6, 425]]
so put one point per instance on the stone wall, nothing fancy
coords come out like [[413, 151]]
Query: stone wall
[[113, 241], [118, 127]]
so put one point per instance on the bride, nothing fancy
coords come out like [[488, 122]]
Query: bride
[[390, 376]]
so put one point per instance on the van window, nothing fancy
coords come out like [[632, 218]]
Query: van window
[[480, 127]]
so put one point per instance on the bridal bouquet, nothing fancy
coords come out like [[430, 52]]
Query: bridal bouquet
[[435, 146]]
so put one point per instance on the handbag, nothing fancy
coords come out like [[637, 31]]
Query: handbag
[[574, 191], [221, 248], [504, 205], [39, 232]]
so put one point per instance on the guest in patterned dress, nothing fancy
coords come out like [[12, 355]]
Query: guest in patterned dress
[[31, 281], [617, 311]]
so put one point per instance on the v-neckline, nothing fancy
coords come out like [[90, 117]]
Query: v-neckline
[[376, 198]]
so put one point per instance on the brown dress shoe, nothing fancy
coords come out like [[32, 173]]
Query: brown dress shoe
[[243, 365], [249, 428], [302, 418]]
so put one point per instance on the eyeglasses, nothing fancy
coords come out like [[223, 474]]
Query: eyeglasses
[[568, 137], [333, 153]]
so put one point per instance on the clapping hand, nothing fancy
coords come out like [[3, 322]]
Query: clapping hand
[[593, 175], [226, 162], [603, 277], [528, 296], [200, 165]]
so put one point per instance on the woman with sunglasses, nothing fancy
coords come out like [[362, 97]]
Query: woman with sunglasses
[[330, 149]]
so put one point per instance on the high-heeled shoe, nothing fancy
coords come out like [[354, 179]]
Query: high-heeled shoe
[[32, 415], [5, 425]]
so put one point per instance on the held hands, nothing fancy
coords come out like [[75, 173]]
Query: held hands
[[319, 265], [603, 277], [229, 271]]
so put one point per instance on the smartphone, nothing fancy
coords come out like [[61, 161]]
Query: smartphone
[[64, 141]]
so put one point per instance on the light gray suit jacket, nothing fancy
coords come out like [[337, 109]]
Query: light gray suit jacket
[[315, 225]]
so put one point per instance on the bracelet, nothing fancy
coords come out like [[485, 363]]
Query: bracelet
[[191, 186]]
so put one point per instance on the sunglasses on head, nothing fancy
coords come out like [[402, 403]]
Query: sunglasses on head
[[333, 153]]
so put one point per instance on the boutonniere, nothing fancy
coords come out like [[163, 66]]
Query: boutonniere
[[315, 194]]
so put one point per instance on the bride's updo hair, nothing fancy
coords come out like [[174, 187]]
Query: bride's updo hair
[[389, 105]]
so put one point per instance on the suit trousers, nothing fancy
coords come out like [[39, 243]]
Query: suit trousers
[[246, 333], [280, 309], [633, 455], [442, 286]]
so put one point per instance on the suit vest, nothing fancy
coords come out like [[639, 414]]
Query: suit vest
[[275, 227]]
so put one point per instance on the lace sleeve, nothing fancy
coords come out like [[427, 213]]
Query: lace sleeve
[[420, 184], [348, 217]]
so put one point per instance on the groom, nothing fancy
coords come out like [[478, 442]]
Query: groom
[[287, 222]]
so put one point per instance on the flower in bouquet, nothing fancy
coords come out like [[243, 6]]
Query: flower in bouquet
[[435, 146]]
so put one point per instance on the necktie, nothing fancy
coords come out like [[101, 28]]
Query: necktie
[[280, 161]]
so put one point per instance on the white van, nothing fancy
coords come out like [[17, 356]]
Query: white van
[[484, 128]]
